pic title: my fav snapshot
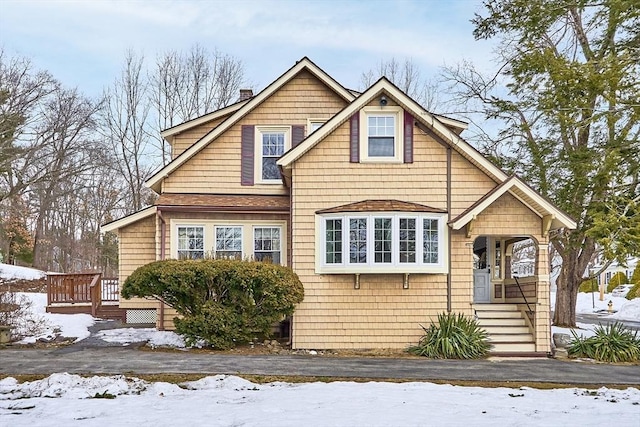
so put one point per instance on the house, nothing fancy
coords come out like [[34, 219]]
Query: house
[[605, 275], [384, 211]]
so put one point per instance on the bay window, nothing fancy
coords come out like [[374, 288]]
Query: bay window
[[399, 242]]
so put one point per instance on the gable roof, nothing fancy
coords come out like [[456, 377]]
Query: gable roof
[[129, 219], [420, 114], [304, 64], [525, 194], [203, 119]]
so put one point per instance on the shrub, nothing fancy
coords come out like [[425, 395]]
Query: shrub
[[613, 343], [222, 302], [618, 279], [634, 292], [635, 277], [454, 337], [589, 286]]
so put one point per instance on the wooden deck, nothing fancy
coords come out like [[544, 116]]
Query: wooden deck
[[88, 293]]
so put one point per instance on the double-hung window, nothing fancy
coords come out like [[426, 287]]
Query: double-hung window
[[190, 242], [381, 134], [228, 242], [271, 144], [394, 242], [266, 244]]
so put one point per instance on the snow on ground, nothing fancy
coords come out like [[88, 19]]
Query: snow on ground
[[63, 399], [51, 324], [153, 337], [14, 272]]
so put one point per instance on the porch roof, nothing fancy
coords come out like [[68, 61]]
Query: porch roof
[[554, 217]]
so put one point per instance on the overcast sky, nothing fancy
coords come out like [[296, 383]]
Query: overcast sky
[[83, 43]]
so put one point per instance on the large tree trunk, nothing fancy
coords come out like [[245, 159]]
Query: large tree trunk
[[574, 266], [567, 294]]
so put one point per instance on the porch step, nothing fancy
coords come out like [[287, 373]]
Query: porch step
[[506, 329], [512, 337], [495, 307], [506, 326], [512, 347], [502, 314], [486, 322]]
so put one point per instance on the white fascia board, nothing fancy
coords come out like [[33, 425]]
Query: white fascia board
[[129, 219], [202, 119]]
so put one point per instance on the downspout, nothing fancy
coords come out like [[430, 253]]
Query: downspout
[[449, 231], [163, 235]]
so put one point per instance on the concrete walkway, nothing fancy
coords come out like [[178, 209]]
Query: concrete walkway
[[130, 361]]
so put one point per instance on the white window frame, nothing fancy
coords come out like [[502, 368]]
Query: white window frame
[[388, 111], [395, 266], [204, 239], [253, 240], [311, 122], [215, 239], [260, 130], [210, 236]]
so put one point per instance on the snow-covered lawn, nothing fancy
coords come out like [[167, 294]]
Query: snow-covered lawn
[[233, 401], [14, 272], [63, 399]]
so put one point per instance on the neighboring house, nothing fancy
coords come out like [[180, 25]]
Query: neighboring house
[[605, 275], [385, 213]]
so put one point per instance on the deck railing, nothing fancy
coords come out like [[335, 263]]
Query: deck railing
[[81, 288]]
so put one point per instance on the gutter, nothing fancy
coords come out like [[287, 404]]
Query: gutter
[[163, 235], [449, 231]]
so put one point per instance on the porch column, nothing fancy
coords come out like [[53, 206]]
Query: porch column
[[543, 307]]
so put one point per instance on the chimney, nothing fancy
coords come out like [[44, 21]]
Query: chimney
[[245, 94]]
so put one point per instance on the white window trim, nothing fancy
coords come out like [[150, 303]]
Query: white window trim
[[371, 267], [311, 121], [397, 113], [209, 235], [215, 238], [258, 150], [253, 239], [190, 225]]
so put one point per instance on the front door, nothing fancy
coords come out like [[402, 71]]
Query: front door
[[481, 285]]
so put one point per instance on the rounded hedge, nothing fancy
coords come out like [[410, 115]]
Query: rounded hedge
[[221, 302]]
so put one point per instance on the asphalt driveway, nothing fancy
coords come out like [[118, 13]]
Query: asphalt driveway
[[131, 361]]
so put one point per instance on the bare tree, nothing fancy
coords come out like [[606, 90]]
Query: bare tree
[[125, 129], [186, 86], [408, 78], [22, 91], [67, 140]]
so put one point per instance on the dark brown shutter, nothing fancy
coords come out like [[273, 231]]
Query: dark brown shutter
[[408, 137], [297, 135], [247, 154], [354, 139]]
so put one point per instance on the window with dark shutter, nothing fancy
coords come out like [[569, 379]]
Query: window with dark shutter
[[247, 154], [297, 134], [354, 139], [408, 137]]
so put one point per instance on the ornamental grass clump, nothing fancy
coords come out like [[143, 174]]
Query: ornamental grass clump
[[453, 337], [612, 343]]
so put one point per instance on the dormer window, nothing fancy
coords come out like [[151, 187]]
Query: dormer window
[[381, 134]]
